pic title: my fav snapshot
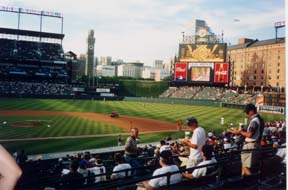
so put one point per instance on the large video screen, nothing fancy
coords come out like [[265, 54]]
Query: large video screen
[[180, 72], [200, 72], [202, 52], [221, 73]]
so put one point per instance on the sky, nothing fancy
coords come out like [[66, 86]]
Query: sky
[[146, 30]]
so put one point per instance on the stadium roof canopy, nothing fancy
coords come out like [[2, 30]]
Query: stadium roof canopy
[[31, 33]]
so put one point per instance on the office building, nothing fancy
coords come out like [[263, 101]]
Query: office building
[[257, 63]]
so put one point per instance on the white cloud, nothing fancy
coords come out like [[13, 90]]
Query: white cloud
[[149, 29]]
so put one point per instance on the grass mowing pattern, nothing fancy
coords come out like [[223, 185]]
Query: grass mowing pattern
[[59, 126], [208, 117], [46, 146]]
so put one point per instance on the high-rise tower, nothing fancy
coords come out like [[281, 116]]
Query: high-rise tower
[[89, 66]]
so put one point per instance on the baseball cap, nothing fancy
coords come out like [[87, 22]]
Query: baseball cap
[[191, 120], [210, 134], [249, 107]]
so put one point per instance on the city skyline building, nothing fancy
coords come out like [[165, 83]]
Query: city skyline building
[[89, 67], [158, 64]]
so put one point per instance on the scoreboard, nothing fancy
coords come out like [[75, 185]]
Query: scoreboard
[[202, 72], [202, 63]]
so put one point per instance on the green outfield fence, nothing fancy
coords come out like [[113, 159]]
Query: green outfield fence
[[175, 101]]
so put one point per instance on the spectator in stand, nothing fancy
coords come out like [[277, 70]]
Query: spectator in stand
[[281, 152], [164, 146], [73, 180], [83, 169], [226, 145], [98, 169], [150, 150], [252, 139], [120, 167], [9, 170], [196, 143], [207, 156], [22, 157], [266, 130], [167, 165], [131, 149], [211, 139]]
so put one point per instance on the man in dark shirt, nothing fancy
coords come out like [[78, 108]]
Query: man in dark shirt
[[131, 149], [73, 180], [252, 139]]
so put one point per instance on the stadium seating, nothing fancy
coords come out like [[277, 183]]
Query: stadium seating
[[208, 93], [28, 50], [225, 174], [35, 88]]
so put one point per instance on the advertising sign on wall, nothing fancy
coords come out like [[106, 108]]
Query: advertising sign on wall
[[180, 72], [221, 73]]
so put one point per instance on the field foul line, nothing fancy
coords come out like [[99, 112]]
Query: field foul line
[[78, 136]]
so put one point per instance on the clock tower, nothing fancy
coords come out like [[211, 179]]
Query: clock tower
[[89, 66]]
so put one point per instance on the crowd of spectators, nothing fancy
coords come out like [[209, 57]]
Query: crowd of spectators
[[14, 49], [36, 88], [208, 93], [170, 155]]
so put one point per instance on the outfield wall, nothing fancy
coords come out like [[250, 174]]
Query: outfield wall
[[76, 97], [175, 101], [212, 103]]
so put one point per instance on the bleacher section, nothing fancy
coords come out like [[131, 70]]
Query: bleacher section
[[28, 50], [30, 55], [35, 88], [208, 93]]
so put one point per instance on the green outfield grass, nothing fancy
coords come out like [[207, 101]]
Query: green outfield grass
[[208, 117], [46, 146], [54, 126]]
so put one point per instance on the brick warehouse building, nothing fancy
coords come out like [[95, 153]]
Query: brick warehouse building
[[257, 63]]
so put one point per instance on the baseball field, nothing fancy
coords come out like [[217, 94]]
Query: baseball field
[[46, 125]]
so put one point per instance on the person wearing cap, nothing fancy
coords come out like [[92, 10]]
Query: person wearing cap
[[167, 165], [98, 169], [253, 137], [164, 146], [195, 143]]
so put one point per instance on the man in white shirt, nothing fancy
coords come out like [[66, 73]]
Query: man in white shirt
[[281, 152], [120, 166], [167, 165], [97, 170], [195, 143], [207, 157]]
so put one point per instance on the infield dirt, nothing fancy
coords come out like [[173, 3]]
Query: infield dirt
[[126, 122]]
